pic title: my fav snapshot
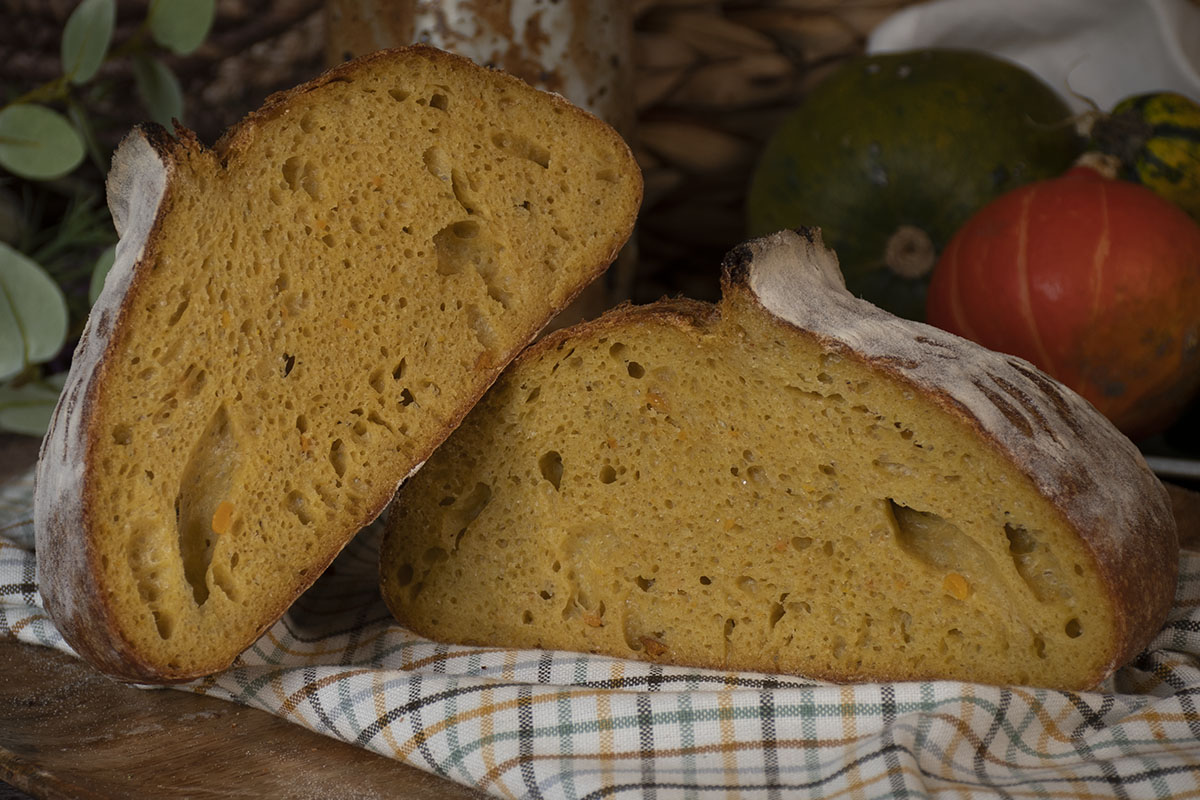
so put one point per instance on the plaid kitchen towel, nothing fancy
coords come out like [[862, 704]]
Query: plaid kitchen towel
[[519, 723]]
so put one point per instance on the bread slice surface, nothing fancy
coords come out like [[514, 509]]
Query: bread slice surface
[[296, 318], [792, 481]]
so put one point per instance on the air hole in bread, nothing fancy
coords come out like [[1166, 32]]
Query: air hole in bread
[[607, 474], [521, 147], [289, 361], [164, 622], [376, 419], [464, 192], [296, 503], [465, 510], [439, 101], [205, 493], [551, 467], [940, 545], [337, 457], [1039, 646], [481, 327], [122, 434], [635, 369], [437, 162], [301, 174], [399, 95], [223, 579], [456, 248], [146, 560], [1037, 564], [178, 313]]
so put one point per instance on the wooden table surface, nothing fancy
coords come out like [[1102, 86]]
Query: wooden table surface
[[68, 732]]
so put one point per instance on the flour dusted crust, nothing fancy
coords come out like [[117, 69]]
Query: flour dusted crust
[[137, 184], [1081, 463], [152, 178], [608, 563]]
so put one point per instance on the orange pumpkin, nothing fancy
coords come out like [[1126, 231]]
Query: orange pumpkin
[[1094, 280]]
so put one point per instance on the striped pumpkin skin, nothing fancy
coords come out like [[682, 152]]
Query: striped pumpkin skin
[[1157, 138], [1095, 281]]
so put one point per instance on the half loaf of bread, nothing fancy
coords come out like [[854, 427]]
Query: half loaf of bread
[[791, 481], [295, 320]]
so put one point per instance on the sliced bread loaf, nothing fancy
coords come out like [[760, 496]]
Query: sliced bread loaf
[[295, 320], [794, 481]]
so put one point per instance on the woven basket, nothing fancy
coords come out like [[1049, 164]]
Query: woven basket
[[713, 81], [709, 81]]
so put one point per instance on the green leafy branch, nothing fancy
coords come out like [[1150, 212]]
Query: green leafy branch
[[45, 136]]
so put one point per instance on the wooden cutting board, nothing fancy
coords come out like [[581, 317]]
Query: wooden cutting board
[[68, 732]]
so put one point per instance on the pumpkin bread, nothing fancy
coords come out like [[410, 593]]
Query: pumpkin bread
[[794, 481], [295, 320]]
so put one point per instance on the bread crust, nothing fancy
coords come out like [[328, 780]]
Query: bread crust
[[1094, 477], [141, 190]]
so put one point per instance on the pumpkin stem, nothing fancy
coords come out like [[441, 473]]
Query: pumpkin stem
[[1105, 164], [1122, 135], [909, 252]]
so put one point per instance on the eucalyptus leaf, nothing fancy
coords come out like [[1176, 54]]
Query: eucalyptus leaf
[[78, 116], [27, 409], [159, 89], [12, 342], [100, 272], [33, 313], [181, 25], [86, 38], [38, 143]]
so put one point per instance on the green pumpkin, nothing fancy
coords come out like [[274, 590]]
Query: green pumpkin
[[892, 153], [1157, 138]]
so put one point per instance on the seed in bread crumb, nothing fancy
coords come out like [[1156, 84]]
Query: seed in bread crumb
[[956, 586], [653, 647], [222, 517]]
